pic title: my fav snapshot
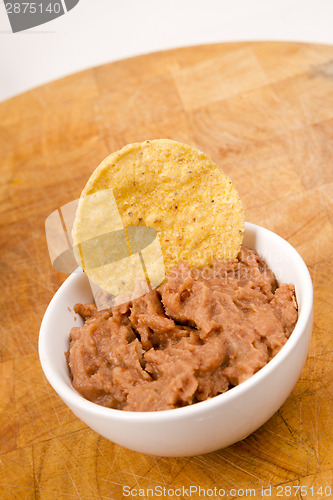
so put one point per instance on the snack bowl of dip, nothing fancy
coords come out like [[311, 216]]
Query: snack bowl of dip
[[205, 426]]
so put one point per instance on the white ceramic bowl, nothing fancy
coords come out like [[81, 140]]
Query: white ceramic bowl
[[206, 426]]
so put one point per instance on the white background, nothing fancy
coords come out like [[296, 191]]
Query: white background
[[99, 31]]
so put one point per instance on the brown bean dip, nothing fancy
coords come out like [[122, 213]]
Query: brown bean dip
[[202, 332]]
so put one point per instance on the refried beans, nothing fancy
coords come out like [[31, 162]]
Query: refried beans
[[202, 332]]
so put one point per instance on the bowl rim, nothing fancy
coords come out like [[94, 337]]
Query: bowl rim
[[70, 395]]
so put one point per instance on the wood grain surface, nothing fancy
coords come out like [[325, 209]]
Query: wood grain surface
[[264, 113]]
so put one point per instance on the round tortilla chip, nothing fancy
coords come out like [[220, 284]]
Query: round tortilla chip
[[175, 189]]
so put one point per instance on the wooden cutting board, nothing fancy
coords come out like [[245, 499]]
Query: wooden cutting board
[[264, 113]]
